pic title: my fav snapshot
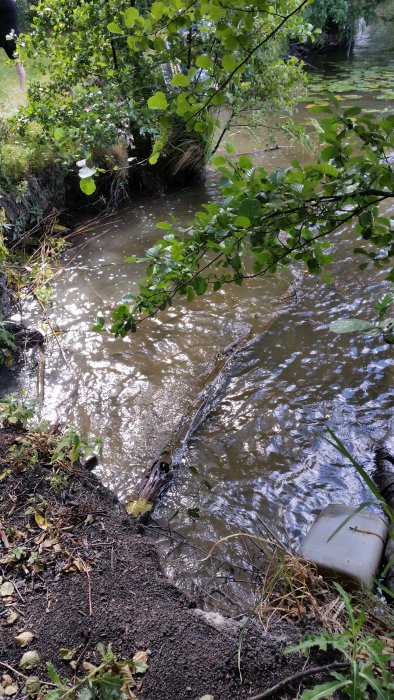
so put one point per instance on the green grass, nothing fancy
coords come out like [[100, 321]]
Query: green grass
[[10, 96]]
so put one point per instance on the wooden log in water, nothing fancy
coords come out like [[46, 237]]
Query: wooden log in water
[[384, 478], [162, 470], [164, 467]]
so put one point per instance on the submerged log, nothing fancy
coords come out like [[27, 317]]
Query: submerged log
[[162, 470], [384, 478]]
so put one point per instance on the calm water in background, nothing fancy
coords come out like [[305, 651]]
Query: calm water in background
[[261, 448]]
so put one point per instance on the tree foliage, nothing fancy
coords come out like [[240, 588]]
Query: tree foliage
[[339, 18], [276, 219], [138, 71]]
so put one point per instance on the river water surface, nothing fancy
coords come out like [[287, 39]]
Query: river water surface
[[261, 449]]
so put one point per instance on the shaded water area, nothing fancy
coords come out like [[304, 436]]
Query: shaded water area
[[261, 448]]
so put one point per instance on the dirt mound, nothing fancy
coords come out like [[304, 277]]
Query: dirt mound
[[79, 574]]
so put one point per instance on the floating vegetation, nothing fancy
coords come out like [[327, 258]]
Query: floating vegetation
[[350, 83]]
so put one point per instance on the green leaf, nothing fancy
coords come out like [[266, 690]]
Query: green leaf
[[245, 163], [200, 285], [99, 324], [154, 158], [384, 303], [87, 185], [130, 17], [229, 62], [203, 61], [114, 28], [350, 325], [326, 690], [158, 10], [158, 101], [59, 133], [53, 675], [328, 169], [242, 221], [180, 80], [250, 208]]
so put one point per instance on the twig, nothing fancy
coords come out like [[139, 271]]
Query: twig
[[336, 666], [89, 592], [19, 594], [4, 537], [22, 675]]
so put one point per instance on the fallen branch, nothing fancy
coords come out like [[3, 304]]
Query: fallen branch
[[162, 470], [336, 666]]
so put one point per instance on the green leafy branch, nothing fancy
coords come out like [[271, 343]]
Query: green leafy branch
[[275, 219]]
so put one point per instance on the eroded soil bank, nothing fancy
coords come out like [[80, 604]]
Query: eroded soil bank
[[80, 573]]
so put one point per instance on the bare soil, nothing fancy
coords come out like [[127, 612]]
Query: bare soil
[[82, 574]]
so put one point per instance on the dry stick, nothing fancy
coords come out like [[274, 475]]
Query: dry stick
[[3, 537], [336, 666], [40, 375], [22, 675], [162, 470]]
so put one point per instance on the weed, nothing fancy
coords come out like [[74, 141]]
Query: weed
[[58, 480], [15, 411], [22, 455], [7, 345], [370, 658], [71, 447], [111, 679]]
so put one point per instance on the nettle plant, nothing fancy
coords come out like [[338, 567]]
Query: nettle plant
[[370, 658]]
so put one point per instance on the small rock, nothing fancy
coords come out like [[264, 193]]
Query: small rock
[[207, 697], [30, 659]]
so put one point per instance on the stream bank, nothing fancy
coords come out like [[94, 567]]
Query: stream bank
[[75, 571]]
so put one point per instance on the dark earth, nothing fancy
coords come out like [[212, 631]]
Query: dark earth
[[83, 574]]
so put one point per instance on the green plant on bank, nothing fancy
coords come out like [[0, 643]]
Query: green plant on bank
[[384, 327], [338, 19], [67, 449], [23, 454], [112, 679], [7, 345], [58, 480], [370, 658], [17, 411], [150, 72], [72, 447]]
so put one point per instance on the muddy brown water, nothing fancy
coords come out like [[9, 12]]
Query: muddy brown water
[[261, 449]]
